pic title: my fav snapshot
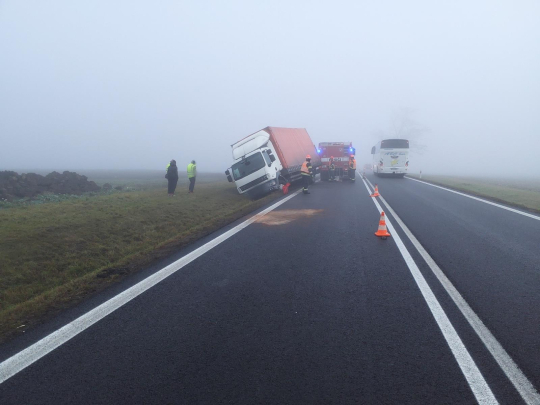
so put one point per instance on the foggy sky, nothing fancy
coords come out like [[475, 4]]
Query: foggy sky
[[132, 84]]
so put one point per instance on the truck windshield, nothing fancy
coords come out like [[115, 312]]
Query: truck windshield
[[247, 166]]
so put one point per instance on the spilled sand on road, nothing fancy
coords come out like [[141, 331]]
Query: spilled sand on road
[[286, 216]]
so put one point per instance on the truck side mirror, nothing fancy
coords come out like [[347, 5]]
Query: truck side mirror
[[229, 178], [227, 172]]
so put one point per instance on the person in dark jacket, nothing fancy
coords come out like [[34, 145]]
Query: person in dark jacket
[[172, 177]]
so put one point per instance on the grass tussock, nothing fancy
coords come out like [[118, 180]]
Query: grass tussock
[[52, 255], [523, 193]]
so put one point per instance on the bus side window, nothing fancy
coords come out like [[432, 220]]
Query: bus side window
[[373, 150]]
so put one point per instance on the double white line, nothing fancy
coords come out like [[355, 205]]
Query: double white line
[[474, 377]]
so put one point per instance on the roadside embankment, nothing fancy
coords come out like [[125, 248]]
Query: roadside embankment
[[56, 254], [522, 193], [28, 185]]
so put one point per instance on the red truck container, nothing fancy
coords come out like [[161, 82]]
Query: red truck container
[[292, 147], [270, 157], [341, 151]]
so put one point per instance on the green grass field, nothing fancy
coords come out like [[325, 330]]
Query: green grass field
[[54, 254], [523, 193]]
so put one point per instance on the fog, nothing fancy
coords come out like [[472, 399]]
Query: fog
[[133, 84]]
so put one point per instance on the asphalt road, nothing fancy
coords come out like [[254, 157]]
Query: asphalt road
[[308, 306]]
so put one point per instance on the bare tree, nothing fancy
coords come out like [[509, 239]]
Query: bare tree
[[403, 126]]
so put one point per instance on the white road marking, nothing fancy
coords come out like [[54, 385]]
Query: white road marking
[[31, 354], [525, 388], [526, 214], [474, 377]]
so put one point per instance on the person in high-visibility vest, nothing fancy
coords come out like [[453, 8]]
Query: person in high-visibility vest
[[307, 171], [332, 169], [352, 168], [191, 173]]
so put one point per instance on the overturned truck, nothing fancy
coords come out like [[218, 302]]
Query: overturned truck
[[270, 159]]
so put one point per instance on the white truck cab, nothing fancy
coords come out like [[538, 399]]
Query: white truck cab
[[257, 166]]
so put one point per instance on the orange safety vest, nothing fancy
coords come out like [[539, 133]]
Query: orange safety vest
[[353, 165], [305, 168]]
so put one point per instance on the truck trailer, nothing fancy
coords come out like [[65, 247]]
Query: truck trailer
[[270, 159], [341, 152]]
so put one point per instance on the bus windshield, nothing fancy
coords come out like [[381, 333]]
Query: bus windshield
[[247, 166], [395, 144]]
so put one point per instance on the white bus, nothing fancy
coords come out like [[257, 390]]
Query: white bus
[[391, 157]]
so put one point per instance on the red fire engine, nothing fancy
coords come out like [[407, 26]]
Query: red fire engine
[[341, 152]]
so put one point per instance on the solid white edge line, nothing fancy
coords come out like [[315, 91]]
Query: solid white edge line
[[36, 351], [474, 377], [526, 214], [522, 384]]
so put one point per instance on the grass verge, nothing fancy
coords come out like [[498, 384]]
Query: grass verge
[[54, 255], [522, 193]]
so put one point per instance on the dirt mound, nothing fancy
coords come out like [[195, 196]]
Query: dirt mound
[[13, 185]]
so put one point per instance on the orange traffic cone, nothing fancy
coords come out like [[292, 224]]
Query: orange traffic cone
[[376, 192], [382, 232], [286, 188]]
